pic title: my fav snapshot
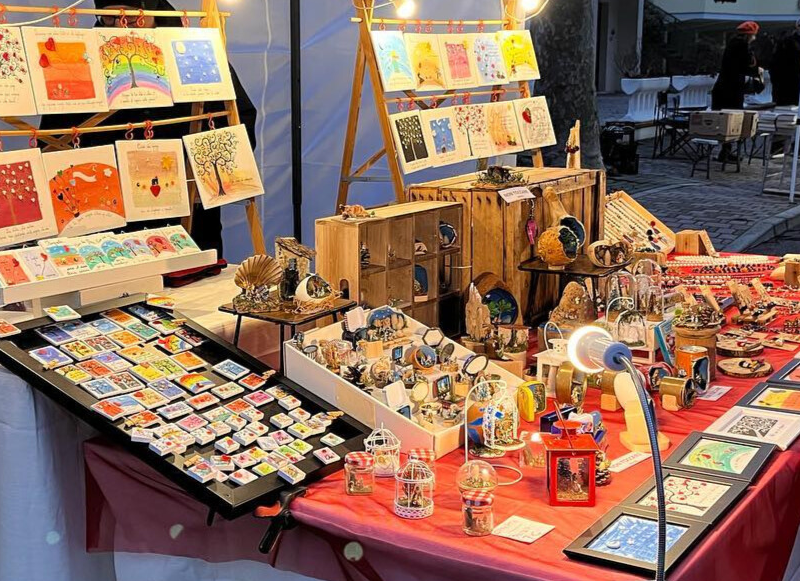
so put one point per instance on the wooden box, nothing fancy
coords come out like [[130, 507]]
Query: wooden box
[[496, 240]]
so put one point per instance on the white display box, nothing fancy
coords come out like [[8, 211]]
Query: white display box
[[366, 409]]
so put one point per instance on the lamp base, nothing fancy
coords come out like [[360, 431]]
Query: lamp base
[[627, 441]]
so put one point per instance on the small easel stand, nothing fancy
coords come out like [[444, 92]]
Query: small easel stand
[[366, 60], [57, 139]]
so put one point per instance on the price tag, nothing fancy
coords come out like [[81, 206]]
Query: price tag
[[715, 392], [626, 461], [515, 194], [521, 529]]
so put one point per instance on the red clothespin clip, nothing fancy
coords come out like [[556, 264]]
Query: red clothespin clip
[[211, 125], [32, 142], [56, 19], [129, 132], [3, 17], [481, 26], [454, 100], [449, 27], [140, 19], [381, 24], [400, 106], [148, 129], [418, 26], [465, 98], [76, 138], [123, 18], [1, 144], [402, 26], [429, 26], [434, 103], [460, 27], [497, 94], [185, 19], [72, 19], [412, 104]]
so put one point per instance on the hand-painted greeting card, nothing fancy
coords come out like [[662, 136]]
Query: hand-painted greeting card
[[535, 125], [153, 177], [488, 60], [12, 272], [16, 92], [89, 248], [224, 166], [501, 121], [426, 61], [180, 239], [518, 55], [445, 144], [460, 67], [84, 185], [65, 70], [196, 64], [134, 69], [26, 211], [64, 255], [409, 139], [471, 124], [135, 243], [393, 62], [37, 263]]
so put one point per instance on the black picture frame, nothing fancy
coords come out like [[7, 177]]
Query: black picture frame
[[750, 396], [712, 515], [397, 353], [224, 498], [749, 474], [778, 376], [579, 548]]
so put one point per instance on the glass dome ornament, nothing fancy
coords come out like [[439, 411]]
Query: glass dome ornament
[[413, 492], [479, 398], [655, 304], [501, 423], [643, 284], [631, 329], [476, 475], [650, 268], [385, 448], [620, 289]]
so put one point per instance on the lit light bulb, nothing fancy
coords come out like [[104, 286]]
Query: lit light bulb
[[530, 5], [405, 8]]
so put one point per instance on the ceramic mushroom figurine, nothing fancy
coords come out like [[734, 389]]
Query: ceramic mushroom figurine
[[559, 245]]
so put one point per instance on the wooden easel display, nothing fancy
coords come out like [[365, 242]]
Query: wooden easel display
[[56, 139], [366, 60]]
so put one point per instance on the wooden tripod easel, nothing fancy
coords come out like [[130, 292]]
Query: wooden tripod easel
[[62, 138], [367, 61]]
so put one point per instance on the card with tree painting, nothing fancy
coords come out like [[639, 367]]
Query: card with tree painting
[[12, 271], [26, 211], [64, 255], [159, 244], [471, 124], [458, 57], [136, 244], [488, 60], [134, 68], [535, 125], [224, 166], [37, 263], [501, 122], [89, 248], [196, 64], [393, 61], [445, 144], [152, 173], [84, 184], [180, 239], [65, 70], [519, 57], [16, 91], [426, 61], [412, 148]]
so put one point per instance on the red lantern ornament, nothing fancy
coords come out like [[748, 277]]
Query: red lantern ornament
[[570, 466]]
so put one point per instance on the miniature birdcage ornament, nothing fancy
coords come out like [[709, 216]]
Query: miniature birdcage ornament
[[413, 493], [482, 395], [385, 448], [548, 361]]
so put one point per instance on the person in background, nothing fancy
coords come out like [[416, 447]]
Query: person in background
[[206, 224], [785, 69]]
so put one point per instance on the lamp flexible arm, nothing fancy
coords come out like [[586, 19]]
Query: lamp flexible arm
[[652, 433]]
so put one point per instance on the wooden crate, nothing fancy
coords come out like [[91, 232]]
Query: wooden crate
[[496, 240], [398, 226]]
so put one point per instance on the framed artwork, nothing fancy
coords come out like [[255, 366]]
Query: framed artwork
[[197, 65], [501, 122], [519, 57], [777, 397], [445, 143], [409, 137], [12, 272], [488, 60], [224, 166], [471, 124], [715, 455], [458, 57], [26, 210], [65, 70], [37, 263], [759, 425], [788, 374], [426, 61], [393, 62], [84, 185], [152, 175], [535, 125], [695, 496], [64, 255], [134, 68], [16, 92], [625, 538]]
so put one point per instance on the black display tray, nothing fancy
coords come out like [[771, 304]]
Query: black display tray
[[225, 498]]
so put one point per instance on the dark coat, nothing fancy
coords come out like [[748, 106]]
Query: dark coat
[[785, 70], [738, 63]]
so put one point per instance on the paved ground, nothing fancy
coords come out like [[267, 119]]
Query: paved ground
[[730, 206]]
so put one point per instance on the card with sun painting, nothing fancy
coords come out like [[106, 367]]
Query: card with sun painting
[[26, 210], [426, 61], [134, 68], [65, 70], [16, 92], [516, 46], [196, 64], [84, 185], [224, 166], [393, 62], [153, 178]]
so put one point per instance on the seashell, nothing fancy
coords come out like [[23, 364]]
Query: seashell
[[313, 287], [558, 246], [258, 270]]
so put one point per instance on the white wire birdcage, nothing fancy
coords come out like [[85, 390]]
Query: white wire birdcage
[[385, 448], [413, 493], [501, 423]]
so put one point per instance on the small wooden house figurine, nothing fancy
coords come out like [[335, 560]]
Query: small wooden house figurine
[[288, 247], [571, 475]]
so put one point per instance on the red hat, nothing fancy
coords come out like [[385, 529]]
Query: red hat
[[748, 27]]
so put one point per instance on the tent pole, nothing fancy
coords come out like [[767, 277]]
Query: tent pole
[[297, 113]]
